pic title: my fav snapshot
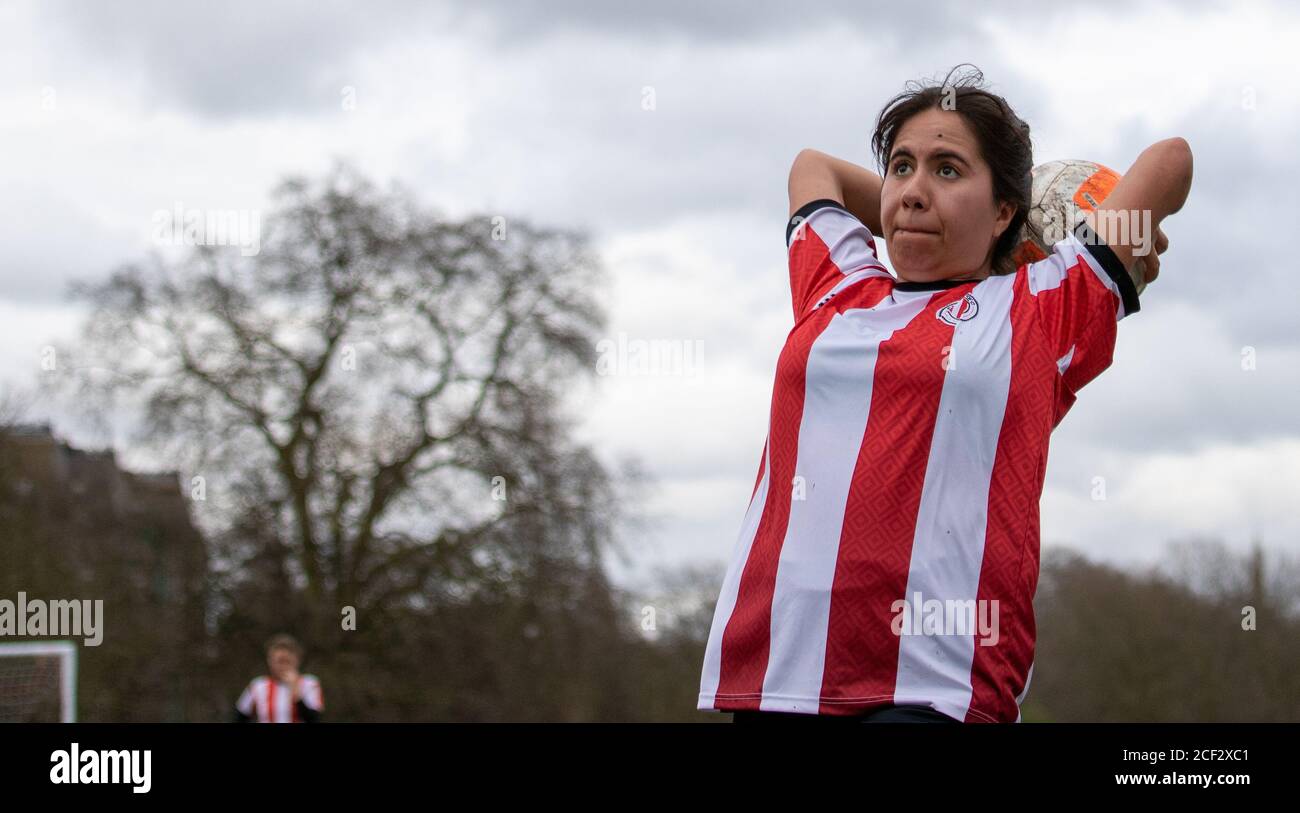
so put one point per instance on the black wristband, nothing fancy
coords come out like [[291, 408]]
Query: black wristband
[[1111, 264]]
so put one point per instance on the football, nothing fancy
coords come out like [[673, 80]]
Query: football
[[1062, 192]]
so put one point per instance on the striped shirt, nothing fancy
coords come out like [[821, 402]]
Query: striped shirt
[[890, 551], [270, 701]]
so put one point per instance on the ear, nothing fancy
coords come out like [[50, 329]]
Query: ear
[[1006, 211]]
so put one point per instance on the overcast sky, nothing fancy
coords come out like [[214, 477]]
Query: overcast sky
[[536, 110]]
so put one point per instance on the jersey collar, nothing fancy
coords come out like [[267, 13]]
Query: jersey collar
[[933, 285]]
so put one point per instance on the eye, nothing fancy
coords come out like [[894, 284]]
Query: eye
[[900, 163]]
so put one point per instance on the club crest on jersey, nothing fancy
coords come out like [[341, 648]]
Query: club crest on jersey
[[963, 310]]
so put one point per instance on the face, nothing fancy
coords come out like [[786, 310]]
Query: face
[[282, 662], [936, 204]]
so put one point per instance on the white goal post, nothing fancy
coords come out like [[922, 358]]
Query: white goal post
[[34, 677]]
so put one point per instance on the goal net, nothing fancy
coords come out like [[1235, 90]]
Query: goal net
[[38, 683]]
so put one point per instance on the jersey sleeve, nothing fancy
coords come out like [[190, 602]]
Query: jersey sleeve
[[1079, 293], [826, 244], [245, 702], [310, 693]]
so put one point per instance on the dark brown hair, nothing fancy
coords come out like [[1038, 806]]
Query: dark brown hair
[[1003, 139], [284, 642]]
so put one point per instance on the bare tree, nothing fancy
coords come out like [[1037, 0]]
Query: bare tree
[[374, 402]]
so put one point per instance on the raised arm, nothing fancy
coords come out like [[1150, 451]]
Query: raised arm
[[816, 175], [1158, 182]]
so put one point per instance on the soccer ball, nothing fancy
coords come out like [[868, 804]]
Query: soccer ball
[[1062, 192]]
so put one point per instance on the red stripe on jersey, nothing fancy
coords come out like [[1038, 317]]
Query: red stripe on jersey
[[1009, 571], [811, 269], [762, 461], [270, 700], [1078, 317]]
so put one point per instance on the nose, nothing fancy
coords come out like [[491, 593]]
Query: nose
[[915, 195]]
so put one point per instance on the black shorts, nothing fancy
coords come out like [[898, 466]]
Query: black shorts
[[887, 714]]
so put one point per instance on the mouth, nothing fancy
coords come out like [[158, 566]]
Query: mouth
[[913, 231]]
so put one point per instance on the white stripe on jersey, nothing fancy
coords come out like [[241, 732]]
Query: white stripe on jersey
[[948, 546], [830, 437]]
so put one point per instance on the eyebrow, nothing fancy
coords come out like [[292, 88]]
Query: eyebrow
[[937, 154]]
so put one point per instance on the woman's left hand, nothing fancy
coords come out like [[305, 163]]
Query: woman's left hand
[[1151, 261]]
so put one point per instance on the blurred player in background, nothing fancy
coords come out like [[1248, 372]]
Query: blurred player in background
[[285, 695]]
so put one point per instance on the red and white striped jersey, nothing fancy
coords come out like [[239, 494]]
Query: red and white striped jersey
[[270, 701], [898, 489]]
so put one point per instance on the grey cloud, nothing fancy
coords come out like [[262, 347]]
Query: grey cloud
[[1228, 246], [236, 59], [747, 20], [247, 58]]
